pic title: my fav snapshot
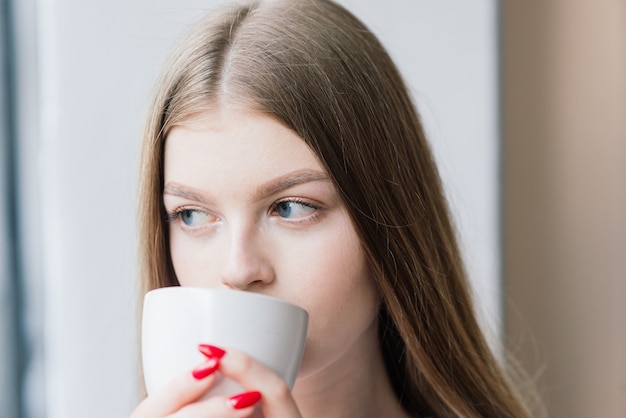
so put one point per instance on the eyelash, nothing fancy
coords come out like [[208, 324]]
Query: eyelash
[[175, 215], [318, 209]]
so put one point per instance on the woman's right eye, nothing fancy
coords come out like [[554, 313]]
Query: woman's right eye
[[193, 218]]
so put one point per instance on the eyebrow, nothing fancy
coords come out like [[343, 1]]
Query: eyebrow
[[187, 193], [267, 189], [290, 180]]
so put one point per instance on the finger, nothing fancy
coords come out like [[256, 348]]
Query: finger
[[276, 401], [182, 390], [238, 406]]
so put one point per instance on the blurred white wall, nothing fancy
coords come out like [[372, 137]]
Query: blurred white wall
[[86, 73]]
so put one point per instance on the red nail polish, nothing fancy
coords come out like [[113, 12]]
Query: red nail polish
[[244, 400], [211, 351], [205, 369]]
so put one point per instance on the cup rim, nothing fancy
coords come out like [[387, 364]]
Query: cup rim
[[241, 293]]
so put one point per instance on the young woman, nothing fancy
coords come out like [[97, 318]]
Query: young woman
[[283, 155]]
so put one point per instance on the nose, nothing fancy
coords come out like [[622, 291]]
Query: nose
[[247, 264]]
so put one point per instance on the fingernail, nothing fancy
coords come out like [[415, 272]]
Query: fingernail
[[244, 400], [205, 369], [211, 351]]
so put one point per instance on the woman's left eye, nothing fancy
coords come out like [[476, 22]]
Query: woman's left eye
[[289, 209]]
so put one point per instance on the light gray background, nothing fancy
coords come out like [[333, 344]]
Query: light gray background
[[86, 70]]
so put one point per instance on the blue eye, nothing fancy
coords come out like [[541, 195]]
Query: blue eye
[[192, 217], [290, 209]]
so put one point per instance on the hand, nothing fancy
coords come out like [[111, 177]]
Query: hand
[[181, 398]]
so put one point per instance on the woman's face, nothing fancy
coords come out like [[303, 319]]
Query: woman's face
[[251, 208]]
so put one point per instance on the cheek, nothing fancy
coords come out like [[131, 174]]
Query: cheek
[[340, 297], [191, 260]]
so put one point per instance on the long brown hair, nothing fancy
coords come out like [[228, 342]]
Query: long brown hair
[[316, 68]]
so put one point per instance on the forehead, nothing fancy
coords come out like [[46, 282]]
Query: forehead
[[236, 146]]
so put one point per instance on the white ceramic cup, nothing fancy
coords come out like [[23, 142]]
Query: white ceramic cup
[[176, 319]]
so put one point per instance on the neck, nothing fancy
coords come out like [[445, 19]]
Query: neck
[[356, 385]]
